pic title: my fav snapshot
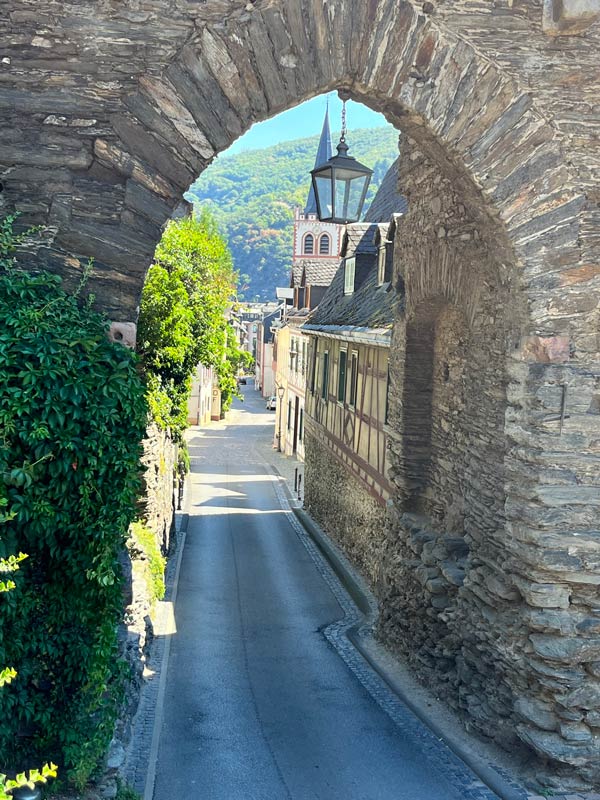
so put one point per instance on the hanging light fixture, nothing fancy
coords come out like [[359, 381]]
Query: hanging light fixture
[[341, 184]]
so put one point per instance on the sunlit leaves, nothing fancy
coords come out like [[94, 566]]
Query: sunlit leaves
[[182, 314], [29, 779]]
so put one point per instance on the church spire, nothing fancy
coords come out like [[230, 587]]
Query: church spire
[[324, 153]]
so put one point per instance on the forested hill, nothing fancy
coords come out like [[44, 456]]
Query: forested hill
[[253, 194]]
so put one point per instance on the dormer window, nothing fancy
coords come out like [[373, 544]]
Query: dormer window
[[309, 245], [349, 269], [324, 245]]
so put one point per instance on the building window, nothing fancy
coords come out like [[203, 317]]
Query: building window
[[313, 365], [349, 266], [325, 245], [353, 378], [303, 365], [309, 245], [301, 425], [289, 421], [325, 375], [341, 393], [381, 256]]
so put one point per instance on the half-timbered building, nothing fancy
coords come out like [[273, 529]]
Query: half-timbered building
[[346, 398]]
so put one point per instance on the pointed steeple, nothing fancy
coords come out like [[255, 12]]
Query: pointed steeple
[[324, 153]]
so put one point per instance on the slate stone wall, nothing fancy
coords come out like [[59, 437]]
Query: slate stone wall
[[490, 567], [157, 505]]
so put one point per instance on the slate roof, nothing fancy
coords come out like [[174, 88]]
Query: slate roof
[[267, 322], [369, 307], [358, 238], [316, 272], [296, 274], [388, 199], [319, 273]]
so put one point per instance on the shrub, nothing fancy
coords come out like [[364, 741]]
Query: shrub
[[72, 415]]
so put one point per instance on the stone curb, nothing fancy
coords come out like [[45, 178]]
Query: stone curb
[[140, 762], [361, 637], [181, 524]]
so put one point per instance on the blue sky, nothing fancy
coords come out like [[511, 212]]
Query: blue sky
[[306, 120]]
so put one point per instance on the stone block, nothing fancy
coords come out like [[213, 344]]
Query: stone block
[[586, 696], [551, 745], [566, 649], [424, 574], [496, 586], [452, 573], [536, 712], [589, 626], [543, 595], [433, 552], [592, 718], [123, 332], [569, 714], [545, 349], [575, 732], [552, 621], [437, 586]]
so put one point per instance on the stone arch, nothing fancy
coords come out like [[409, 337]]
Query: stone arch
[[119, 165], [112, 110]]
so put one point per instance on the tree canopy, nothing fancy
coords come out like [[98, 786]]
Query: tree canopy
[[188, 291]]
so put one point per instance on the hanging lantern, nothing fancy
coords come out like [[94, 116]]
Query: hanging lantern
[[341, 184]]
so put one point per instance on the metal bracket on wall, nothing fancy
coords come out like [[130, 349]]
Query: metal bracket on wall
[[560, 418]]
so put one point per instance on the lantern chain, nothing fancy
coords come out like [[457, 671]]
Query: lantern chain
[[343, 136]]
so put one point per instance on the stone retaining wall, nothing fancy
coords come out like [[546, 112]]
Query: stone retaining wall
[[344, 507], [157, 506], [491, 563]]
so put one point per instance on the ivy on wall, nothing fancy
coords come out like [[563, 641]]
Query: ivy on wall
[[72, 415]]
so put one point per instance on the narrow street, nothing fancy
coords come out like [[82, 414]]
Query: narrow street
[[258, 704]]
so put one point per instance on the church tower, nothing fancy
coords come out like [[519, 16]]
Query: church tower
[[315, 241]]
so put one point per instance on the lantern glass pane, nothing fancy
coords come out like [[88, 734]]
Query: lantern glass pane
[[348, 195], [323, 190]]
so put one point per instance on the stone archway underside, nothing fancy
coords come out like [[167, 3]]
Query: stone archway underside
[[110, 110]]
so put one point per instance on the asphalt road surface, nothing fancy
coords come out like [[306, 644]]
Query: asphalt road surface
[[258, 705]]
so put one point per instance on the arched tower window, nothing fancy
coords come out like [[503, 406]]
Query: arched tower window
[[309, 245], [325, 245]]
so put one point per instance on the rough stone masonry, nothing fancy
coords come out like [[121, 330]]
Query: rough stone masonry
[[111, 109]]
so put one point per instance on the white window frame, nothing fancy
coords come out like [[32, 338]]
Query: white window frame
[[382, 255], [349, 273]]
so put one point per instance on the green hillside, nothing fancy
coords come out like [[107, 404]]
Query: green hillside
[[253, 194]]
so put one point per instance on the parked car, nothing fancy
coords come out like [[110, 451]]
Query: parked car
[[272, 403], [241, 380]]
